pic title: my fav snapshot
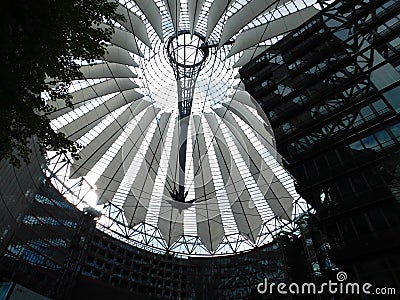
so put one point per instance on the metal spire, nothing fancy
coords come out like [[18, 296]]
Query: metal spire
[[187, 55]]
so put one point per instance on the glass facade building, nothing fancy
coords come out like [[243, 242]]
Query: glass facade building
[[332, 92]]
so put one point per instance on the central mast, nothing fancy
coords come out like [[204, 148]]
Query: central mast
[[187, 54]]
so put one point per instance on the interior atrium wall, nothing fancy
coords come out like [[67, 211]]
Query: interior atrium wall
[[54, 249], [41, 233]]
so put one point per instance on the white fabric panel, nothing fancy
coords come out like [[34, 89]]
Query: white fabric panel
[[264, 133], [278, 198], [208, 216], [106, 70], [242, 109], [249, 54], [190, 224], [189, 221], [209, 224], [245, 15], [98, 146], [108, 184], [195, 7], [125, 194], [97, 90], [174, 9], [98, 169], [152, 13], [172, 176], [134, 24], [79, 127], [244, 97], [274, 28], [204, 186], [118, 55], [240, 86], [170, 222], [228, 220], [217, 9], [244, 211], [149, 168], [134, 210], [258, 198], [126, 40]]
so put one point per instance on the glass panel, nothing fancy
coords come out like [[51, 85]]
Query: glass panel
[[382, 136], [366, 112], [321, 163], [361, 225], [332, 158], [377, 219], [347, 230], [333, 231], [345, 187], [393, 97], [356, 145], [395, 129], [359, 183], [395, 43], [370, 142], [311, 168], [379, 106], [392, 217], [384, 76]]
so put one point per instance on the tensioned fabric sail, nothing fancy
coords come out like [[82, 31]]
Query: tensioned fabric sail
[[126, 117]]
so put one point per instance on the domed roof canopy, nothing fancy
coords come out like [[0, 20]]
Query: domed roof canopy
[[176, 155]]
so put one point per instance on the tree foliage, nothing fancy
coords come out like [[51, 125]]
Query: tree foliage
[[43, 39]]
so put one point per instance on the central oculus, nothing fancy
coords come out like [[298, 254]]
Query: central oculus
[[187, 54], [186, 50]]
